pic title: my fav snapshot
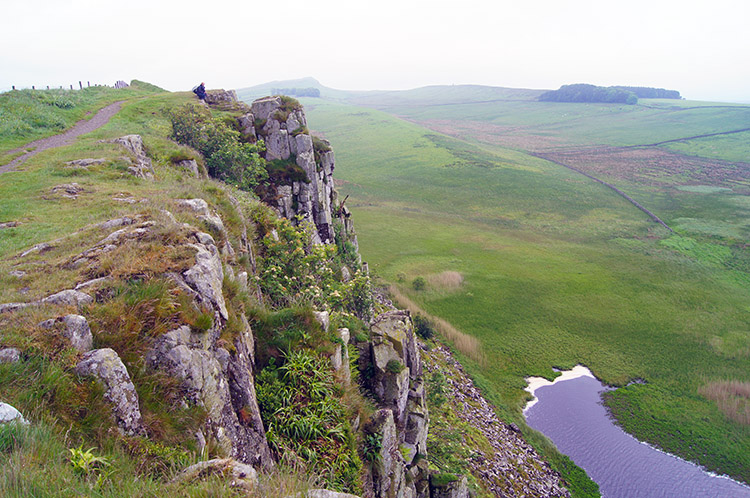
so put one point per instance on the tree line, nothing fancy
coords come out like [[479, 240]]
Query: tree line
[[583, 92]]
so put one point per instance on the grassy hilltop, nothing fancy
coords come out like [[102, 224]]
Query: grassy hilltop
[[556, 269]]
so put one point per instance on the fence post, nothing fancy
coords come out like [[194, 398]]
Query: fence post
[[88, 83], [32, 87], [47, 87], [80, 85], [71, 87], [14, 87]]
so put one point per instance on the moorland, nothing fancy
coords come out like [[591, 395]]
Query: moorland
[[478, 192]]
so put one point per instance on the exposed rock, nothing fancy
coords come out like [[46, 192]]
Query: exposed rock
[[200, 207], [9, 355], [457, 488], [283, 128], [68, 297], [10, 414], [262, 108], [141, 168], [220, 382], [247, 126], [206, 277], [85, 163], [66, 190], [513, 468], [91, 283], [39, 248], [110, 372], [10, 307], [325, 493], [121, 197], [242, 280], [117, 222], [221, 97], [323, 318], [73, 327], [389, 469], [241, 475], [191, 166], [346, 275], [340, 358], [17, 273], [9, 224]]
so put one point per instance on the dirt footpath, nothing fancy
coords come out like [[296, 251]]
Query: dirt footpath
[[66, 138]]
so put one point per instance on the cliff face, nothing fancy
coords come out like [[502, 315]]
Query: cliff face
[[281, 123]]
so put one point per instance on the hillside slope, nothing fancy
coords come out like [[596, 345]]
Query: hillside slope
[[167, 332]]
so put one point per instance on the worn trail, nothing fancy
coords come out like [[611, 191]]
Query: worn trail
[[66, 138]]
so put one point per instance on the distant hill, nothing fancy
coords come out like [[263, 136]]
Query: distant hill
[[428, 95]]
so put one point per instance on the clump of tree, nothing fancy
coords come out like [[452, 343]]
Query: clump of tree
[[297, 92], [228, 157], [645, 92], [582, 92]]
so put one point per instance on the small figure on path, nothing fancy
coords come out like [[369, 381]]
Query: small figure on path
[[200, 91]]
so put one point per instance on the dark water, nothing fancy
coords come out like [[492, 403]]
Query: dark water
[[570, 413]]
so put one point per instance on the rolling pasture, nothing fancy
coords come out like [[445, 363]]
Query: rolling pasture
[[558, 269]]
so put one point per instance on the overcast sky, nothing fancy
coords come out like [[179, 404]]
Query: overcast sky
[[700, 48]]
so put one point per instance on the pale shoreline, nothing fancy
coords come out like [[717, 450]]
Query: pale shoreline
[[537, 382], [577, 371]]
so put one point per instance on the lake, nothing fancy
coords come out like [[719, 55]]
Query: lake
[[570, 413]]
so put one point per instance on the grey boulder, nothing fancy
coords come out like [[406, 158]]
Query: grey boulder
[[109, 371]]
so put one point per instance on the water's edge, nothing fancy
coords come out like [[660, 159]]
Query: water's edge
[[588, 448]]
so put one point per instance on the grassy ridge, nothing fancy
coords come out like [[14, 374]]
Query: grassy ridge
[[27, 115], [558, 271]]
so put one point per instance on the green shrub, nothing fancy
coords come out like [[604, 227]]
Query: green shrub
[[203, 322], [306, 420], [423, 327], [286, 171], [444, 479], [373, 443], [227, 157], [394, 366], [320, 146], [300, 131], [294, 271], [419, 283]]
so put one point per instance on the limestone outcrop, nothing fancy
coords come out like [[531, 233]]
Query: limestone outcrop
[[219, 380], [10, 414], [107, 368], [392, 362], [75, 328], [241, 475], [141, 166], [10, 355], [308, 197]]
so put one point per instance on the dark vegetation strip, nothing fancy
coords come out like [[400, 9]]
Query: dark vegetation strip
[[706, 135], [83, 126], [620, 192]]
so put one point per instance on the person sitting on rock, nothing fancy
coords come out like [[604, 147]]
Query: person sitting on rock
[[200, 91]]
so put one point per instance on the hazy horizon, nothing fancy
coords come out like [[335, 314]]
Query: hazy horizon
[[392, 46]]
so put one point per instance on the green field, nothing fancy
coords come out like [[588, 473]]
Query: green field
[[558, 269]]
